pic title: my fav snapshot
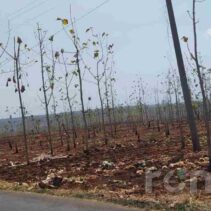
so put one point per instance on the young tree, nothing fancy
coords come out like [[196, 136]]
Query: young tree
[[199, 67], [45, 88], [73, 35], [68, 81], [101, 54], [176, 90], [19, 86]]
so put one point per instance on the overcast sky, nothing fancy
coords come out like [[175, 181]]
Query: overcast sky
[[138, 28]]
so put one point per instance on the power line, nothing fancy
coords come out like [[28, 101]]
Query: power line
[[93, 10], [28, 10], [31, 19], [22, 8], [78, 19], [83, 16]]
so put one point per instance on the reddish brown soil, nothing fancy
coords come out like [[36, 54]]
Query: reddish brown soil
[[124, 151]]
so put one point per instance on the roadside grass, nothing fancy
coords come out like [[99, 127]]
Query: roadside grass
[[194, 205]]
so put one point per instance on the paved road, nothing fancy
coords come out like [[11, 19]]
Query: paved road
[[35, 202]]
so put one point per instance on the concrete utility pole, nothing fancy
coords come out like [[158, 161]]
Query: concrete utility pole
[[183, 78]]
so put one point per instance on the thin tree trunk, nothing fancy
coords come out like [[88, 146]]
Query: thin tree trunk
[[182, 139], [102, 111], [44, 92], [82, 98], [69, 103], [17, 68], [201, 82], [107, 105], [113, 110]]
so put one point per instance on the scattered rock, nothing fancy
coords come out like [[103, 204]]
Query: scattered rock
[[140, 172], [151, 169], [12, 164], [51, 181], [42, 157], [164, 167], [107, 164], [177, 164]]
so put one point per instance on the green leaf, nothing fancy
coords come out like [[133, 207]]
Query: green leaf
[[96, 54], [71, 31]]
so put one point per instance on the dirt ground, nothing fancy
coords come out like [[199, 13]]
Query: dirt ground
[[117, 171]]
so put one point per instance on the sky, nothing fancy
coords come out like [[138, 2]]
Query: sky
[[138, 28]]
